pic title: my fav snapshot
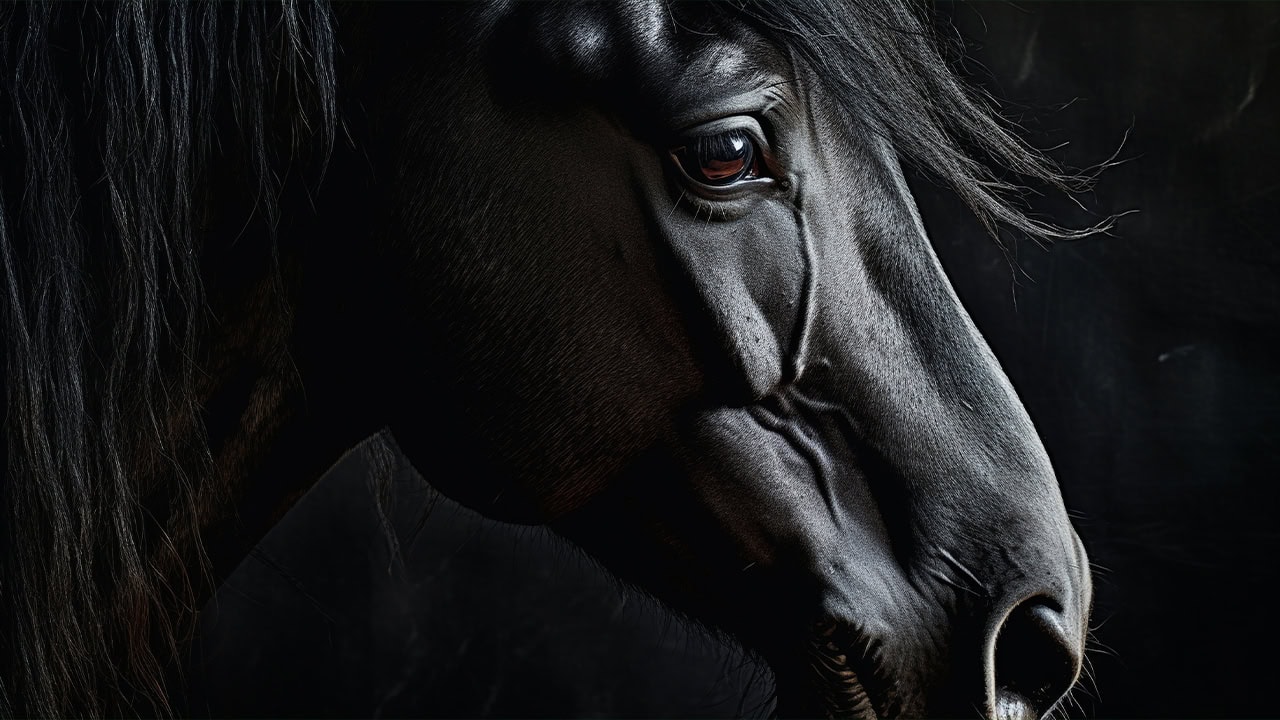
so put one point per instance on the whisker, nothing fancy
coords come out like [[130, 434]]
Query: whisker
[[947, 580], [960, 567]]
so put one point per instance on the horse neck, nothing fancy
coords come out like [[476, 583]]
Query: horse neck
[[284, 392], [272, 430]]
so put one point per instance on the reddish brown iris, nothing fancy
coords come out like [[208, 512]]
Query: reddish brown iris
[[719, 160]]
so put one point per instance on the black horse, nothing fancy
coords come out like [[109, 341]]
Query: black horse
[[648, 273]]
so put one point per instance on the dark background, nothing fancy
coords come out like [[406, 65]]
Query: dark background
[[1147, 359]]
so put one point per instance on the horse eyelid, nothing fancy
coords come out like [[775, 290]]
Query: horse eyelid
[[756, 127]]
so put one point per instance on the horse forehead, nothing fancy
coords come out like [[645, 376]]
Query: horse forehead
[[603, 41], [647, 22]]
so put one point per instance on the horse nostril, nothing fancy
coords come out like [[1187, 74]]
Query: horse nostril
[[1036, 660]]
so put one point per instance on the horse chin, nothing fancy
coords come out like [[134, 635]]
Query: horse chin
[[841, 688], [835, 677]]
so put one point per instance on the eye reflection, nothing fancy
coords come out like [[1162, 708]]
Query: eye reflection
[[720, 160]]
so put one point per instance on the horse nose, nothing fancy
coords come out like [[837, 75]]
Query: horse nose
[[1037, 658]]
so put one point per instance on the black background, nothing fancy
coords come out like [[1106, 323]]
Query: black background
[[1147, 359]]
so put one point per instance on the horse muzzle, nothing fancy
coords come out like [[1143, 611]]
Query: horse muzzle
[[918, 605]]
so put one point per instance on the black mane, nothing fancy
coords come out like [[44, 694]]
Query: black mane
[[113, 117]]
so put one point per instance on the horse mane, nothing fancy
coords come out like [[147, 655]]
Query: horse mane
[[111, 115], [114, 116]]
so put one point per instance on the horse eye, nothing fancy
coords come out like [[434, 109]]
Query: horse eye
[[720, 160]]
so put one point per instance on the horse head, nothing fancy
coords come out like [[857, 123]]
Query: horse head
[[683, 308]]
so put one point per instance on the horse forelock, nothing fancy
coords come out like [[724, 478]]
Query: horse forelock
[[887, 68], [111, 116]]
